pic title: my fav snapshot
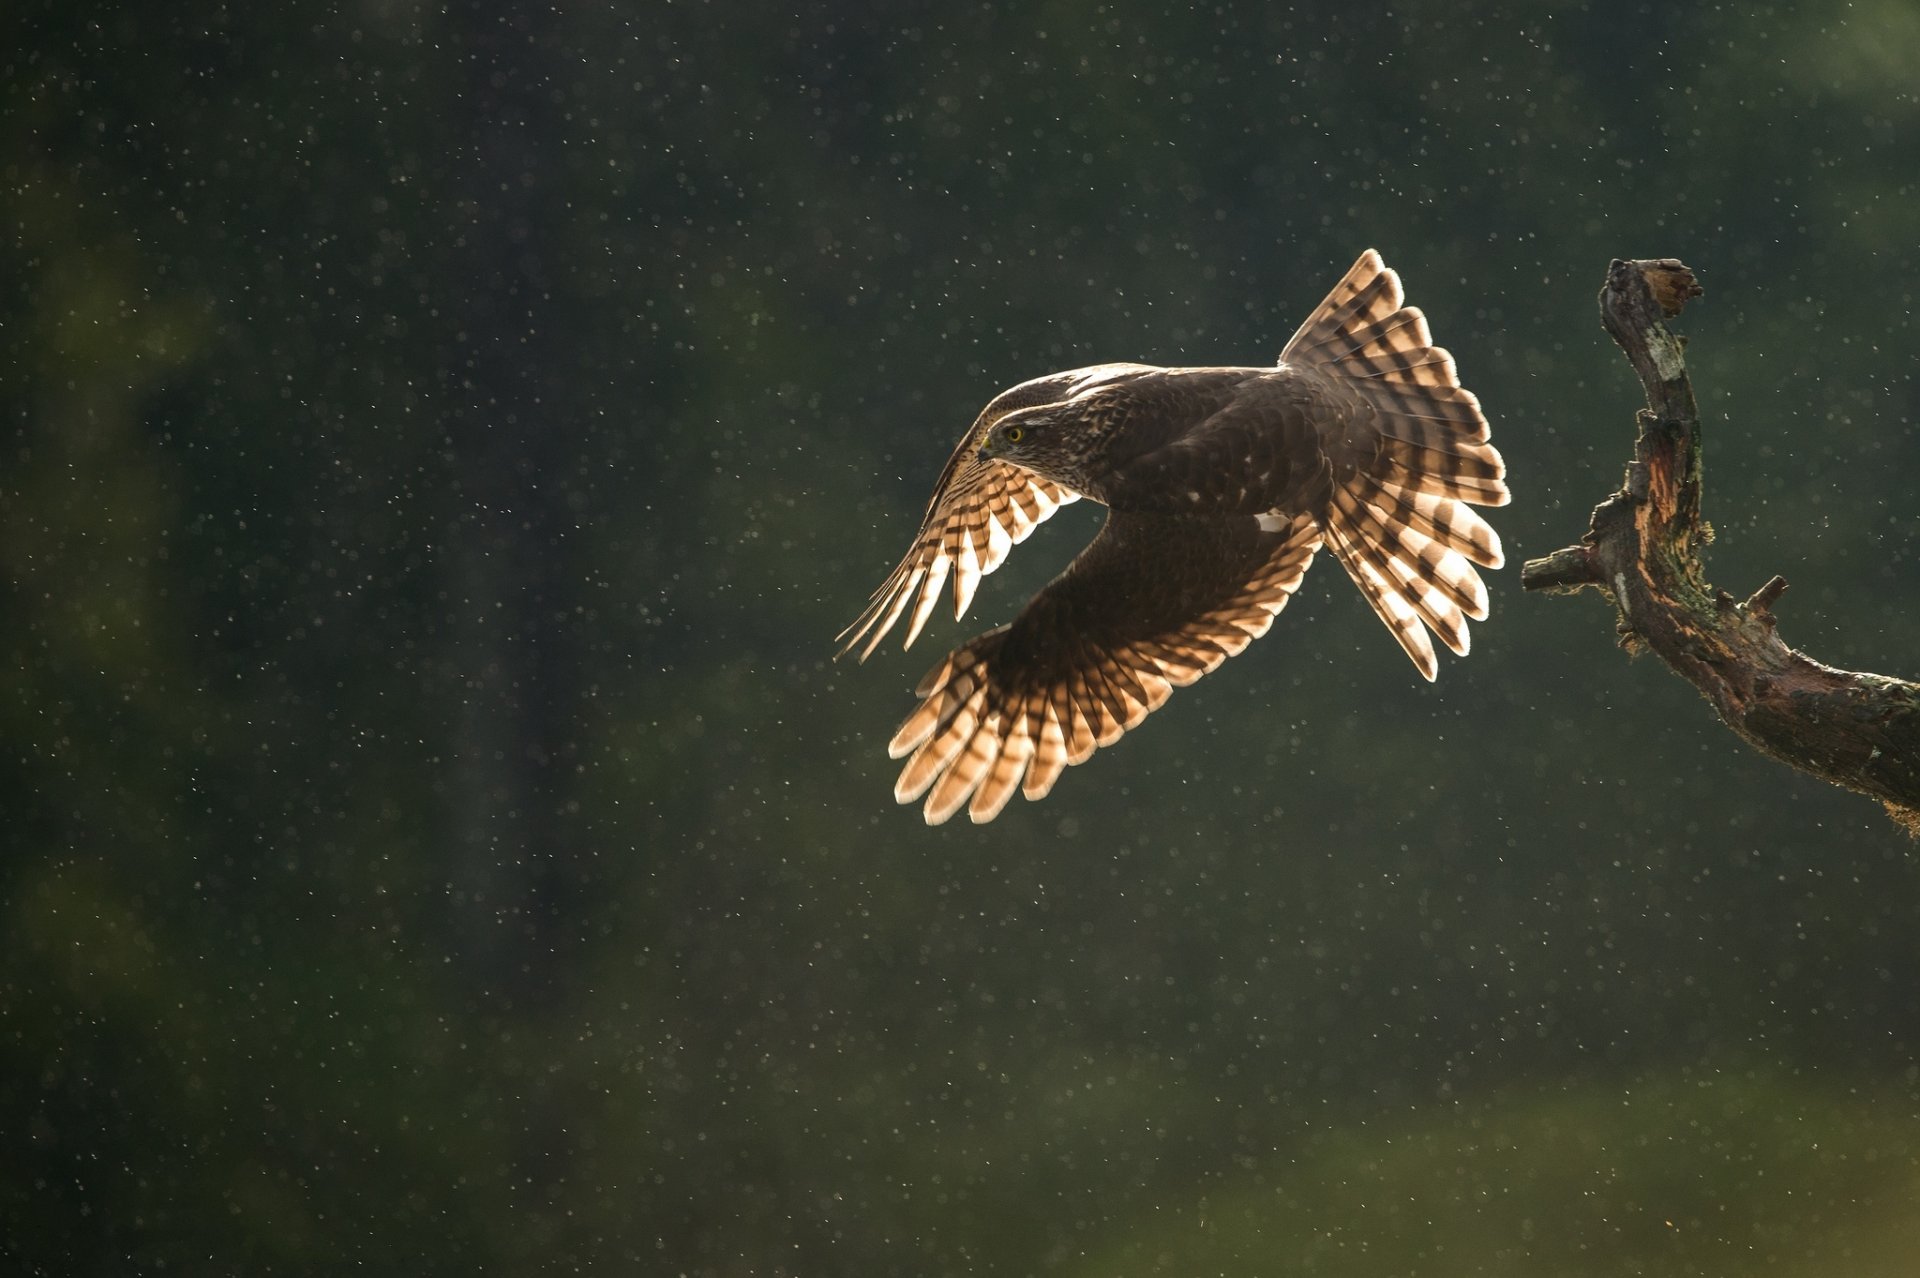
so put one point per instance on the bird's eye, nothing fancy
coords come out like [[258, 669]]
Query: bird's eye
[[1013, 434]]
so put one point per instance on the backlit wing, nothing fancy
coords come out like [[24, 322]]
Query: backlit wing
[[1153, 604], [980, 510]]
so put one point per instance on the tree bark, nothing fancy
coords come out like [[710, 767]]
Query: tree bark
[[1643, 548]]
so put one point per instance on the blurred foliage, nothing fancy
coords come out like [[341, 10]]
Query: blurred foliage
[[444, 440]]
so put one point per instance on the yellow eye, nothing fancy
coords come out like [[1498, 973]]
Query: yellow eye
[[1013, 434]]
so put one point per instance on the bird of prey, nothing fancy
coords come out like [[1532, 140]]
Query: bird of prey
[[1220, 485]]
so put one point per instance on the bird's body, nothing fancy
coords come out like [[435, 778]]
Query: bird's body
[[1221, 485], [1162, 439]]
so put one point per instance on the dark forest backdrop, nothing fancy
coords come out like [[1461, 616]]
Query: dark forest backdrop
[[442, 442]]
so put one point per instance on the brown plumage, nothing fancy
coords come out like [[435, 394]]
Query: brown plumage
[[1220, 485]]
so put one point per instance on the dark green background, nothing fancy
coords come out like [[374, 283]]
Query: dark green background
[[442, 443]]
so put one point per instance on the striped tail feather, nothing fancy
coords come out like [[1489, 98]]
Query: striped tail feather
[[1400, 520]]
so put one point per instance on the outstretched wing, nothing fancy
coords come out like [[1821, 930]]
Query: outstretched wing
[[980, 510], [1153, 604]]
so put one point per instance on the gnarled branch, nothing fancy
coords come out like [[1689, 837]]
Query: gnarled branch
[[1643, 548]]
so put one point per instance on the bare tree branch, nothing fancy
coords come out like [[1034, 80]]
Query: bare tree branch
[[1643, 548]]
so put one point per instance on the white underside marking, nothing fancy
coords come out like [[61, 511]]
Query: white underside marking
[[1271, 522]]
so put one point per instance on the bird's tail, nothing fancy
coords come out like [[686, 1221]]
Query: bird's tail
[[1400, 520]]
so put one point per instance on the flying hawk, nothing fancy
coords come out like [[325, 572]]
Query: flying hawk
[[1220, 484]]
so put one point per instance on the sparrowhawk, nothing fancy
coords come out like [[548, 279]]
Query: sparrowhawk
[[1220, 484]]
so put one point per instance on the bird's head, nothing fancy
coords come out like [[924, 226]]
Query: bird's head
[[1038, 438], [1054, 425]]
